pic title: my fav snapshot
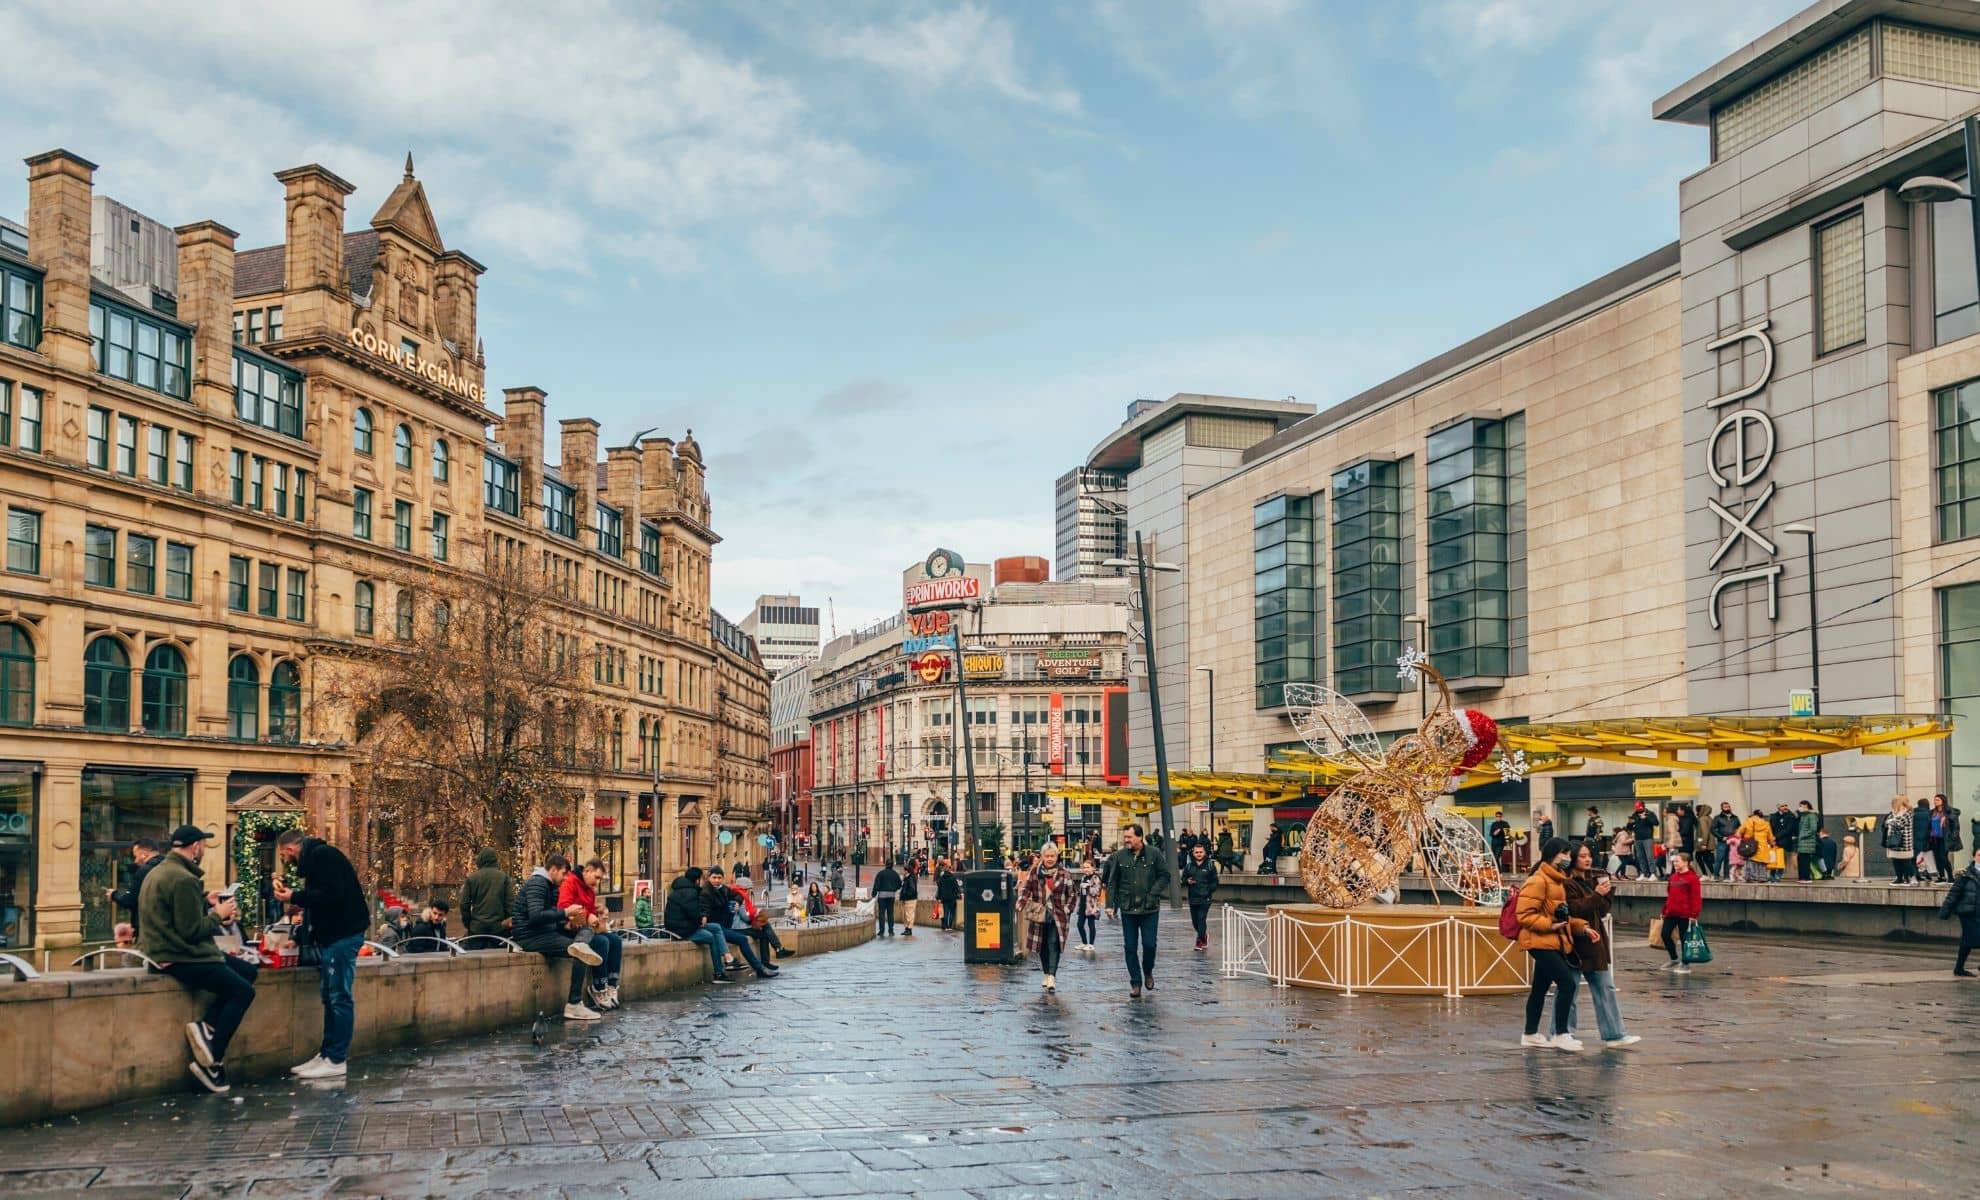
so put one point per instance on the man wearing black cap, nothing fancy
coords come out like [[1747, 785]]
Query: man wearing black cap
[[176, 931], [333, 904]]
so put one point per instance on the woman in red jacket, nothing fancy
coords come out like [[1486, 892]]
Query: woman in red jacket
[[581, 888], [1683, 903]]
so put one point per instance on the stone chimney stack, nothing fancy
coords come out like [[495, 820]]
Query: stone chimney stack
[[521, 436], [578, 463], [206, 300], [455, 289], [60, 187], [313, 250], [656, 476], [622, 474]]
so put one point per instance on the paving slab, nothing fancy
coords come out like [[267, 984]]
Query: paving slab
[[1784, 1067]]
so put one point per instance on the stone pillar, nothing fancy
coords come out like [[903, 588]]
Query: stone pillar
[[206, 301], [521, 436], [578, 461], [58, 856], [314, 276], [455, 287], [59, 223], [622, 491]]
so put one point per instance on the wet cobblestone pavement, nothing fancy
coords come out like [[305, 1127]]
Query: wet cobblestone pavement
[[894, 1069]]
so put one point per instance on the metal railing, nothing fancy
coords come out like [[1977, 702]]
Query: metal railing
[[118, 951], [20, 967], [1245, 946], [497, 938]]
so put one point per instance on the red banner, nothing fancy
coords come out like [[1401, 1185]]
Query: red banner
[[1055, 734]]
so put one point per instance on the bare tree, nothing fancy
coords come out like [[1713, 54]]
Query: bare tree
[[477, 716]]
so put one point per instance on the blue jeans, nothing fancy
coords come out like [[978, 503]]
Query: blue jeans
[[610, 947], [1721, 858], [334, 977], [718, 946], [1140, 928], [1608, 1014]]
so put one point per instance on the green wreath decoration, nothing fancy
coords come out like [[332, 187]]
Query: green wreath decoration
[[248, 828]]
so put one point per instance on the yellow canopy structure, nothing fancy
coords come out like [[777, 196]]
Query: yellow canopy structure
[[1720, 743], [1666, 743]]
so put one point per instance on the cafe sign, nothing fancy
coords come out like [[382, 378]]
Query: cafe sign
[[438, 374]]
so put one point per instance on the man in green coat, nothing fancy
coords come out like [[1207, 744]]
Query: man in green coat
[[176, 928], [487, 897], [1807, 843], [1137, 883]]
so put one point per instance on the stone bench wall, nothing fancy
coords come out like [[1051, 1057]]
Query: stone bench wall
[[75, 1040]]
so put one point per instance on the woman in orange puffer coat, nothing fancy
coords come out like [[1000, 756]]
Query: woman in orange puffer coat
[[1547, 932]]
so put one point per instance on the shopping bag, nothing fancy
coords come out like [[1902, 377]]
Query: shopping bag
[[1695, 949], [1656, 931]]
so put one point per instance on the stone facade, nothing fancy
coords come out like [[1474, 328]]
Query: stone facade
[[279, 535]]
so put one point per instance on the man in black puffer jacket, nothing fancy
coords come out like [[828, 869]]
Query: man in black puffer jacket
[[1963, 901], [543, 928]]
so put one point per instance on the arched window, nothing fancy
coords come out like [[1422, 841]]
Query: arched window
[[440, 464], [402, 446], [361, 432], [366, 604], [243, 699], [164, 699], [107, 685], [16, 676], [405, 615], [285, 703]]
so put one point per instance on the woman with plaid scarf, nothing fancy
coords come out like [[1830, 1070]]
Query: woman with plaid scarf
[[1047, 897]]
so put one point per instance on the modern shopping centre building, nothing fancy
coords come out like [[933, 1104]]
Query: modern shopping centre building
[[1615, 505]]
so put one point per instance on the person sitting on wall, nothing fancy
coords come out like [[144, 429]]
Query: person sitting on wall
[[580, 888], [719, 908], [426, 933], [176, 931], [760, 929], [541, 927]]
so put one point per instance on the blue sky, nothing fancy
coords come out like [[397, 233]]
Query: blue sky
[[901, 265]]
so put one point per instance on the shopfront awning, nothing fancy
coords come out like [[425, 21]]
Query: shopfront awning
[[1725, 743]]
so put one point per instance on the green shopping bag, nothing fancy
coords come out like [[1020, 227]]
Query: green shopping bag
[[1695, 949]]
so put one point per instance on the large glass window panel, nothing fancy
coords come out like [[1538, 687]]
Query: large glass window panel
[[285, 703], [118, 807], [16, 675], [178, 571], [140, 564], [100, 556], [237, 583], [106, 685], [23, 541], [243, 699], [164, 701]]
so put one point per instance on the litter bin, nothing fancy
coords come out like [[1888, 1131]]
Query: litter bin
[[990, 917]]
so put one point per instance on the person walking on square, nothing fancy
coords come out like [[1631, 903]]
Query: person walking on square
[[1049, 892], [1895, 837], [1963, 901], [334, 907], [1137, 883], [1199, 879], [176, 931], [1089, 906], [910, 898], [886, 886], [948, 893], [1684, 902], [1589, 895], [1547, 932], [1643, 826]]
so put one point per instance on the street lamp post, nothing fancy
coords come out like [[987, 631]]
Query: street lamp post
[[968, 748], [1930, 189], [1141, 568], [1815, 630], [1212, 731]]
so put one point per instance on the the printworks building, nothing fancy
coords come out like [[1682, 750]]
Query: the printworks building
[[1604, 508], [218, 467], [1042, 673]]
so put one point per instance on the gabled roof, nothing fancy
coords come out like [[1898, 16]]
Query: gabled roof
[[406, 211]]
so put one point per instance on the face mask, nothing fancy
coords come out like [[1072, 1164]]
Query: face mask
[[1561, 863]]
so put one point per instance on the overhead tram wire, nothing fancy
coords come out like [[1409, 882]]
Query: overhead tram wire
[[1762, 645]]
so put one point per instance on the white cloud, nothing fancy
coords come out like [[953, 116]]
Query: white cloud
[[1257, 58], [965, 47]]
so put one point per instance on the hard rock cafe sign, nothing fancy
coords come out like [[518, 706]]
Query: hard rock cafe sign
[[437, 373]]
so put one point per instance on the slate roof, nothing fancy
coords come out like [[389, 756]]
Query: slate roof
[[260, 270]]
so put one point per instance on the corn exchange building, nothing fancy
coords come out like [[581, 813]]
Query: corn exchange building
[[220, 467]]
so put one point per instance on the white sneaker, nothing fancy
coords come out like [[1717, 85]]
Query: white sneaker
[[578, 1012], [1681, 969], [1051, 985], [321, 1068], [1628, 1039], [1535, 1039], [1566, 1041], [612, 994], [304, 1068], [586, 955]]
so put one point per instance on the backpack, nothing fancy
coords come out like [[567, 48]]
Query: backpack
[[1509, 917]]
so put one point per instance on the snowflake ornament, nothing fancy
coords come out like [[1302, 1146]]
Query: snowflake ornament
[[1512, 767], [1406, 666]]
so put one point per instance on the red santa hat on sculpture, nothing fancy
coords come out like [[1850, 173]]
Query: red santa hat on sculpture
[[1481, 737]]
